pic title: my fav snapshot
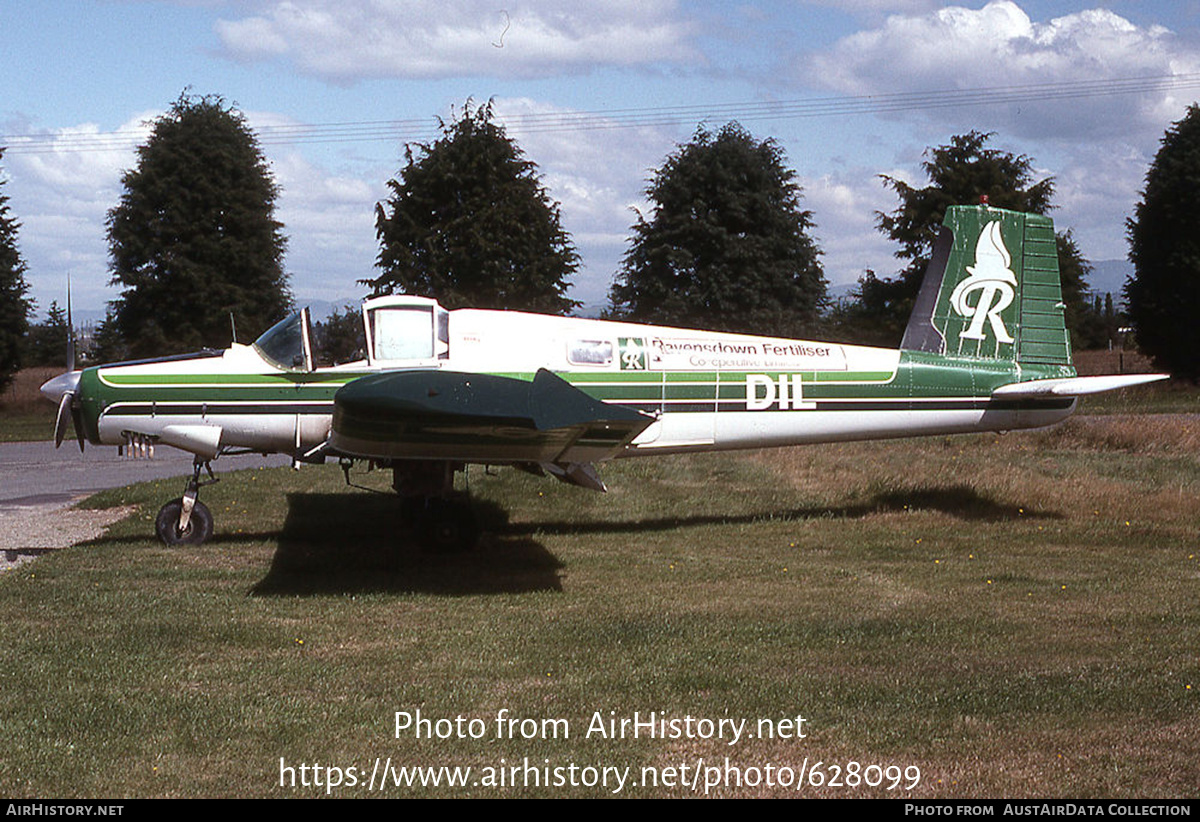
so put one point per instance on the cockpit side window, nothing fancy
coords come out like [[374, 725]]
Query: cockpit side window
[[403, 333], [590, 352]]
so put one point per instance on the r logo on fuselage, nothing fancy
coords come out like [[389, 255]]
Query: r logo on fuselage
[[995, 281], [633, 353]]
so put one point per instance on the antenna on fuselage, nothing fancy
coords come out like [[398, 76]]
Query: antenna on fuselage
[[232, 327]]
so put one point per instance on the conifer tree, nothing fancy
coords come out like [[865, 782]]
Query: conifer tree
[[14, 307], [469, 224], [1165, 250], [194, 237], [47, 341], [726, 245]]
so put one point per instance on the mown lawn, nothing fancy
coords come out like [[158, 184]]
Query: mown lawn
[[1011, 615]]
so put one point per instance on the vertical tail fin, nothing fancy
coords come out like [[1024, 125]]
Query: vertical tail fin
[[992, 290]]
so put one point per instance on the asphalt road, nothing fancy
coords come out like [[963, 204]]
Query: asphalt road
[[35, 473]]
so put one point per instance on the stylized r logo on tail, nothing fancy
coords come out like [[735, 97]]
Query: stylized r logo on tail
[[995, 282]]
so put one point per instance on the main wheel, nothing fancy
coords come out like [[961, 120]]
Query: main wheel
[[446, 526], [199, 527]]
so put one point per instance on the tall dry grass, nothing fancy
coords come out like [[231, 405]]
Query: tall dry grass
[[1069, 471], [22, 396], [1131, 433], [1115, 361]]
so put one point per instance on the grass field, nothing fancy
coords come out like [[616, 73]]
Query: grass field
[[24, 415], [1016, 616]]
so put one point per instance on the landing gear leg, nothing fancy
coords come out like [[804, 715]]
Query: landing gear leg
[[187, 520], [444, 519]]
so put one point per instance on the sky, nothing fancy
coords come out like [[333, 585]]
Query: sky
[[597, 94]]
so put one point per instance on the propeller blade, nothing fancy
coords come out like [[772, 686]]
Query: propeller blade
[[77, 420], [60, 421]]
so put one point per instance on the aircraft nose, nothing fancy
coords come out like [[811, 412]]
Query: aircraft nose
[[54, 389]]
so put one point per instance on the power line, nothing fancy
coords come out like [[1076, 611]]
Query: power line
[[422, 130]]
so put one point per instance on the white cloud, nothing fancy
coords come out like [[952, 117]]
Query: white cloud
[[348, 40], [1095, 206], [61, 196], [844, 207], [1097, 146], [1000, 47], [330, 224], [597, 173]]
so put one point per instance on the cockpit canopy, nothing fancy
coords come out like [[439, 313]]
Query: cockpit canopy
[[401, 331]]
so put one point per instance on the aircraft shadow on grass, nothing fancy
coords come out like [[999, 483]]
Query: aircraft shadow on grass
[[959, 501], [345, 543]]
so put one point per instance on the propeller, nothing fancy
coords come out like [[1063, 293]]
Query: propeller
[[77, 421], [65, 387], [65, 390]]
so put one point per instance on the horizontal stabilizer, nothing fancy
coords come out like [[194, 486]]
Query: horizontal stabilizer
[[1073, 386]]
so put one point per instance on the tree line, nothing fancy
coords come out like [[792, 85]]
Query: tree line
[[726, 243]]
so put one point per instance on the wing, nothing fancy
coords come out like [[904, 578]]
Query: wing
[[478, 418]]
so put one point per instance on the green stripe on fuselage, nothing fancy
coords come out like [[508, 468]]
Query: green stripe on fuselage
[[220, 380]]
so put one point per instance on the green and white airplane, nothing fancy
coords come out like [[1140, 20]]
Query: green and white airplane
[[986, 349]]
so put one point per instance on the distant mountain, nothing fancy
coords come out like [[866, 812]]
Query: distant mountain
[[319, 310], [82, 317], [841, 290], [1109, 276]]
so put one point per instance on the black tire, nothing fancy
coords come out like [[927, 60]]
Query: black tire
[[200, 524], [448, 527]]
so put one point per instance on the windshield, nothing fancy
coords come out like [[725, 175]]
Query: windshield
[[284, 344]]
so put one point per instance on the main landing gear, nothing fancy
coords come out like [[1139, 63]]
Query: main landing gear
[[187, 520], [442, 517]]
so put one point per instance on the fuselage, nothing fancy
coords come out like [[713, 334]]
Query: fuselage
[[706, 390]]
